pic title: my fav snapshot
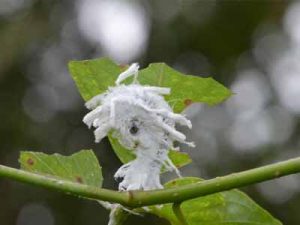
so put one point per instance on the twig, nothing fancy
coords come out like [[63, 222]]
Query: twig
[[144, 198]]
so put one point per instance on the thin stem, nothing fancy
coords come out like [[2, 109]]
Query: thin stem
[[219, 184], [144, 198], [178, 213], [67, 187]]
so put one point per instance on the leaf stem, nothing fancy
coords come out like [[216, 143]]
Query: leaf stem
[[177, 211], [144, 198]]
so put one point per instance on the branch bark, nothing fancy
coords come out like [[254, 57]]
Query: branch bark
[[173, 195]]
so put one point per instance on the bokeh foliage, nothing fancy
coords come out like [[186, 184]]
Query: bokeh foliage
[[28, 34]]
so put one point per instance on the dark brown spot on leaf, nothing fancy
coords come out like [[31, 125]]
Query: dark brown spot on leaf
[[187, 102], [79, 179], [122, 66], [30, 161]]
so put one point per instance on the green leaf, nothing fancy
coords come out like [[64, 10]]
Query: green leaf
[[229, 207], [81, 167], [178, 158], [93, 77], [185, 89]]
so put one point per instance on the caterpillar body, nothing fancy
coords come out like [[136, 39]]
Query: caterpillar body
[[143, 122]]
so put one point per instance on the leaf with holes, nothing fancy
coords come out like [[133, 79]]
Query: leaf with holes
[[81, 167], [229, 207], [93, 77]]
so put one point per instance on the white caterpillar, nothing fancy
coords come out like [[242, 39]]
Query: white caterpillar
[[143, 122]]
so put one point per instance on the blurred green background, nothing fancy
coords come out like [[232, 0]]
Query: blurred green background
[[253, 47]]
